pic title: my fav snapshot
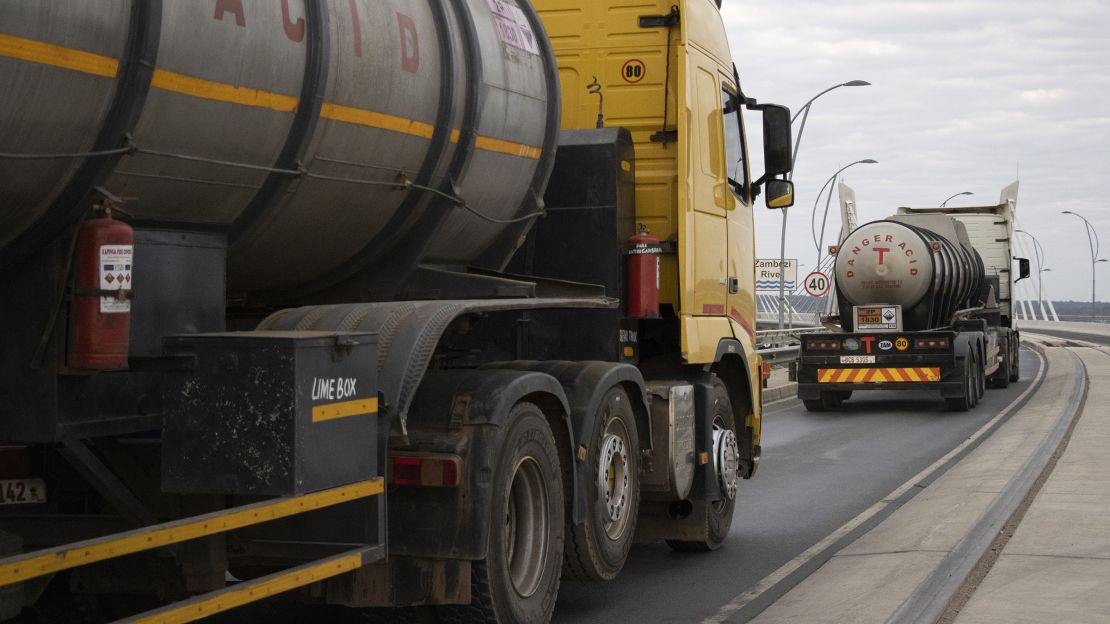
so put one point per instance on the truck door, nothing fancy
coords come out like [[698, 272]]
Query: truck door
[[741, 231], [708, 288]]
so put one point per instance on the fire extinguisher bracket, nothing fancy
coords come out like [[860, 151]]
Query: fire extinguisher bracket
[[120, 294]]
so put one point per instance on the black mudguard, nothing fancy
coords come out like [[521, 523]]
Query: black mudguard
[[464, 413], [585, 384]]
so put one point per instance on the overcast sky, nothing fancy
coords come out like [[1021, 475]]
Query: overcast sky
[[965, 95]]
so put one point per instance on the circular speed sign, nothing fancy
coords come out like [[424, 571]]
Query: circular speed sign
[[817, 284]]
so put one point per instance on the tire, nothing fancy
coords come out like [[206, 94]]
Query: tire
[[829, 400], [964, 402], [1015, 350], [518, 580], [1001, 377], [980, 381], [718, 514], [597, 549]]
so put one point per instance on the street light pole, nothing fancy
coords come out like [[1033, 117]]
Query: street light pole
[[1092, 241], [945, 202], [1039, 252], [804, 112], [817, 241]]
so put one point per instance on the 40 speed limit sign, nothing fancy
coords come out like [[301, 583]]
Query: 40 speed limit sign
[[816, 284]]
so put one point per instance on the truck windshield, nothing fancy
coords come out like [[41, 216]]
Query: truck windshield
[[734, 142]]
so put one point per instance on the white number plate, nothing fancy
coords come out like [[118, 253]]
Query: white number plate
[[857, 359], [22, 491]]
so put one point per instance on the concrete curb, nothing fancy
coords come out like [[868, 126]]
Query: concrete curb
[[913, 553], [778, 393], [930, 598]]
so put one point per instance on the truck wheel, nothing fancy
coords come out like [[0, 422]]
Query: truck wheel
[[964, 402], [814, 405], [1001, 377], [829, 399], [1015, 350], [718, 514], [519, 578], [597, 549], [980, 380]]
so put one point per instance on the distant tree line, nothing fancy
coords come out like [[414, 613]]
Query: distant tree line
[[1081, 310]]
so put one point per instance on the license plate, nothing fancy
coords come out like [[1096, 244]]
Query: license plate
[[22, 491], [857, 359]]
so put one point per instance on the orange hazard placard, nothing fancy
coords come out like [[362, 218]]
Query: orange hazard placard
[[877, 375]]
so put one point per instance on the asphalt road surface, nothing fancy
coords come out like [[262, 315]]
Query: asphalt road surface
[[819, 470]]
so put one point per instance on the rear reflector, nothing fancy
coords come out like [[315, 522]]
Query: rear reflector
[[425, 470], [16, 462]]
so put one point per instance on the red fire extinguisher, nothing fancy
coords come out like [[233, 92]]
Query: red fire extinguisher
[[100, 314], [644, 253]]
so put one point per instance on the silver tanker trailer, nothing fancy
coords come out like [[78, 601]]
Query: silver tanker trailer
[[925, 301]]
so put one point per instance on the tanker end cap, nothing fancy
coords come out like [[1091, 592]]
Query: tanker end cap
[[884, 261]]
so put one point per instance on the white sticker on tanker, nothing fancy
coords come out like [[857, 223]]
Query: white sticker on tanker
[[876, 318], [513, 26], [115, 274]]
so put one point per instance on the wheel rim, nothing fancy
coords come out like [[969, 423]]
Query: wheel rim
[[726, 453], [526, 530], [614, 478]]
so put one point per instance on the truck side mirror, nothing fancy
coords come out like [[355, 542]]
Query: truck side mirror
[[780, 193], [1023, 269], [777, 143]]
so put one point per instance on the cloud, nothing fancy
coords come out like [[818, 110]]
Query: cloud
[[965, 94], [1043, 96]]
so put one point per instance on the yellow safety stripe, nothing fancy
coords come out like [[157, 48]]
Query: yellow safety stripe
[[507, 147], [877, 375], [252, 591], [58, 56], [382, 121], [89, 63], [220, 92], [332, 411], [42, 562]]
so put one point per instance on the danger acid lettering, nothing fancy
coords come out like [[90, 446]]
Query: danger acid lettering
[[877, 250], [295, 28], [334, 388]]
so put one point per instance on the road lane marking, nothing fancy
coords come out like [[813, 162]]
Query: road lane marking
[[815, 551]]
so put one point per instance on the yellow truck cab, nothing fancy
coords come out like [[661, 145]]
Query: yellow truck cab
[[664, 72]]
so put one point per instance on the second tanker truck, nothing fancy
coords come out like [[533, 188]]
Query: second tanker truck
[[925, 301], [389, 303]]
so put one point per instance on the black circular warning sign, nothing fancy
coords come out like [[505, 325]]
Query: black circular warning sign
[[633, 71]]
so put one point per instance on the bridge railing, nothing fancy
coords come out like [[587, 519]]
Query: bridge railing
[[780, 346]]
